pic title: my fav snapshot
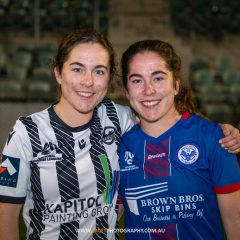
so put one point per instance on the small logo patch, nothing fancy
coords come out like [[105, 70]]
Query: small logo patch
[[188, 154], [108, 135], [129, 162], [48, 153], [128, 158], [9, 170], [82, 144]]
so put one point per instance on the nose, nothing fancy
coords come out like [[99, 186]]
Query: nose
[[149, 88], [87, 79]]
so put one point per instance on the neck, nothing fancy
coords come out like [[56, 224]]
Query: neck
[[72, 117], [157, 128]]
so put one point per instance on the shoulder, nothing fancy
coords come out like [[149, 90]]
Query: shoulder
[[120, 114], [29, 121], [108, 104], [36, 117], [205, 127], [133, 133], [204, 124]]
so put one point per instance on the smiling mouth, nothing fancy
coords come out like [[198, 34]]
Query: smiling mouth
[[85, 94], [150, 103]]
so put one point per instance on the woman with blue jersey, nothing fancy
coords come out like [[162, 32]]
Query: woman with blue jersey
[[176, 181]]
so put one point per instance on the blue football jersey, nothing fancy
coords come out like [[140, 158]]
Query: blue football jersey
[[169, 184]]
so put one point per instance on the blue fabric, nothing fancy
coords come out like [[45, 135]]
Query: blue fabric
[[167, 183]]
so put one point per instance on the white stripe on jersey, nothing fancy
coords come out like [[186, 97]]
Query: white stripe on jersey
[[72, 171]]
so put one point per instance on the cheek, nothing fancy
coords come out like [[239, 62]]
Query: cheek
[[102, 84], [70, 80], [134, 95], [68, 86], [168, 90]]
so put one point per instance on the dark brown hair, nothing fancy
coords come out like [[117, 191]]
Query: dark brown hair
[[184, 101], [73, 38]]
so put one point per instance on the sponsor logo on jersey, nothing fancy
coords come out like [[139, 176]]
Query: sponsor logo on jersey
[[9, 170], [108, 135], [139, 193], [157, 155], [82, 144], [76, 209], [188, 154], [157, 163], [48, 153]]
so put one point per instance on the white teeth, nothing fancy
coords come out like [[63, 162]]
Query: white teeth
[[84, 94], [152, 103]]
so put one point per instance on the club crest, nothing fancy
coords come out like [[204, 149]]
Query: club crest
[[188, 154]]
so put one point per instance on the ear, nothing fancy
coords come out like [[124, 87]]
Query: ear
[[177, 86], [57, 76], [126, 93]]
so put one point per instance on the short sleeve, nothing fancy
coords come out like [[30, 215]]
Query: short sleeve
[[225, 168], [14, 168]]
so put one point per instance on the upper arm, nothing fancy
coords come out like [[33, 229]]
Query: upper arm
[[9, 215], [9, 209], [229, 206]]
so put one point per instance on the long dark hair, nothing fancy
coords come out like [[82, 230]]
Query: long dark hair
[[184, 101]]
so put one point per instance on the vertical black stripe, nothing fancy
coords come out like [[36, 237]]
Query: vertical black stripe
[[33, 134], [96, 149], [38, 198], [67, 177], [112, 115]]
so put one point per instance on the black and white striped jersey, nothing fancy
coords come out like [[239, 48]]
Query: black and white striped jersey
[[66, 177]]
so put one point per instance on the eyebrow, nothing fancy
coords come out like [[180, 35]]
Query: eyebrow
[[154, 73], [135, 75], [81, 65], [157, 72]]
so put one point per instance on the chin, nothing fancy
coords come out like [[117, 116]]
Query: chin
[[150, 119]]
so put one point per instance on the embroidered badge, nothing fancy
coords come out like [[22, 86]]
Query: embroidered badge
[[9, 170], [188, 154]]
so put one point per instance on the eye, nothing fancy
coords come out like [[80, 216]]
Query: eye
[[136, 81], [158, 78], [77, 69], [100, 72]]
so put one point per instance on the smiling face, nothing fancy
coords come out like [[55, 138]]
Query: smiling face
[[84, 82], [151, 89]]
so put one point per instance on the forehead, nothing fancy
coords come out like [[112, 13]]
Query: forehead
[[87, 51], [146, 60]]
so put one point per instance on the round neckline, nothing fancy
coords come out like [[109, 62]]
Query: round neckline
[[54, 115]]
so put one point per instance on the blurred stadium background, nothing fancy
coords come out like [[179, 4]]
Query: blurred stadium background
[[205, 33]]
